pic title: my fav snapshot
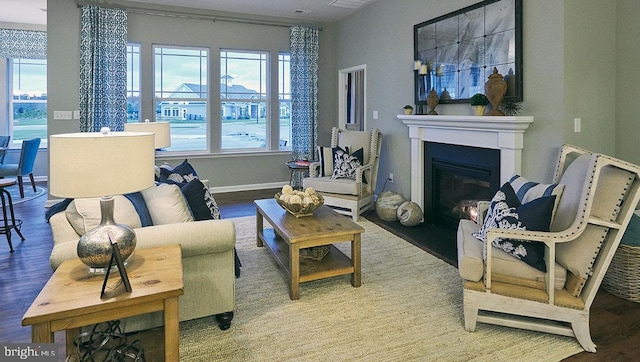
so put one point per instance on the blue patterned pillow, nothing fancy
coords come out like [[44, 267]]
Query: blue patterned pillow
[[506, 212], [345, 164], [530, 190]]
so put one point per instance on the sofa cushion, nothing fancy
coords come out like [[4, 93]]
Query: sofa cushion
[[506, 212], [166, 204], [201, 203], [471, 260], [138, 203], [85, 215]]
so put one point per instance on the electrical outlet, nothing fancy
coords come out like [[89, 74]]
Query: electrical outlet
[[391, 177], [577, 125]]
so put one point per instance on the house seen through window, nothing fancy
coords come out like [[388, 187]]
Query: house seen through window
[[181, 98], [28, 104]]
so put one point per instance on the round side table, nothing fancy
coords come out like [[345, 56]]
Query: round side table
[[295, 166], [8, 224]]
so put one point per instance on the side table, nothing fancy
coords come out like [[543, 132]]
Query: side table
[[8, 224], [297, 166], [71, 298]]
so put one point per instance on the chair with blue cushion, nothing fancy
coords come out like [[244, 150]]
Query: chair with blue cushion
[[4, 143], [25, 164]]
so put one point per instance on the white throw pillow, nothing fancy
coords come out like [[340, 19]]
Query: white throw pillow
[[84, 214], [166, 204]]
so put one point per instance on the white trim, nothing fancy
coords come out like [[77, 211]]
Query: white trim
[[236, 188], [342, 94]]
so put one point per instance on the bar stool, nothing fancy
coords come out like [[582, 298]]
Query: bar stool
[[5, 227]]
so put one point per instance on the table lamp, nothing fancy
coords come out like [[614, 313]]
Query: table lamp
[[101, 164], [161, 130]]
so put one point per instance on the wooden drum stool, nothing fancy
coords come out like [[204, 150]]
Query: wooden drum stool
[[7, 225]]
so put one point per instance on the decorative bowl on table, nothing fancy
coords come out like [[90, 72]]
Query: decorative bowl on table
[[299, 203]]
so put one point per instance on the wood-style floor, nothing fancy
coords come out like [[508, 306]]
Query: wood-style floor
[[615, 323]]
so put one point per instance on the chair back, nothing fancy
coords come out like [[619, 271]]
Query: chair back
[[28, 156], [4, 142]]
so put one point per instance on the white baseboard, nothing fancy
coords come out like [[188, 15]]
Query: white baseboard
[[249, 187]]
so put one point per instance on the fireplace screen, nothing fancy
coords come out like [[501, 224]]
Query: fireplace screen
[[456, 178], [457, 195]]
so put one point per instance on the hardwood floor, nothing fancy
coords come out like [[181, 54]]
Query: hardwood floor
[[615, 323]]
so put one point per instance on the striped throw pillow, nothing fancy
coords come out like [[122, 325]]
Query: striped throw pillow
[[529, 190]]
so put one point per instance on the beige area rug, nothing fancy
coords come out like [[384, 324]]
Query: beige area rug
[[409, 308]]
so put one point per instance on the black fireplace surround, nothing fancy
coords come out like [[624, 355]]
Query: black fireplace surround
[[455, 177]]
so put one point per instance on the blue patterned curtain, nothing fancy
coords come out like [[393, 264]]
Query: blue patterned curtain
[[304, 92], [25, 44], [103, 69]]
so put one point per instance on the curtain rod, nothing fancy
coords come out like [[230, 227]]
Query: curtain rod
[[187, 15]]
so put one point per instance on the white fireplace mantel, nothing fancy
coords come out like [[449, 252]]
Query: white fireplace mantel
[[503, 133]]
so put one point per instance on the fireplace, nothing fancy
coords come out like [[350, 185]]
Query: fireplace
[[455, 178], [504, 135]]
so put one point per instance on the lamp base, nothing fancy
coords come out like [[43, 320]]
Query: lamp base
[[94, 247]]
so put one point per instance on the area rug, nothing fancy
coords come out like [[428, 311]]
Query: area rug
[[408, 308], [14, 191]]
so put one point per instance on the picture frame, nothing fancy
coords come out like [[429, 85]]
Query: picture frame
[[116, 258], [459, 51]]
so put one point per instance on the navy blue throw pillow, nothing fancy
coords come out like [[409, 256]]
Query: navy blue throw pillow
[[141, 207], [201, 203], [185, 169], [506, 212]]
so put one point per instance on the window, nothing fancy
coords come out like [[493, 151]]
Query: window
[[243, 99], [284, 96], [28, 105], [133, 82], [181, 97]]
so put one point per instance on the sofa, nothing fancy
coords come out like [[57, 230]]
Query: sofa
[[207, 245]]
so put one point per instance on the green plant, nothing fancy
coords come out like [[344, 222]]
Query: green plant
[[479, 99], [408, 106]]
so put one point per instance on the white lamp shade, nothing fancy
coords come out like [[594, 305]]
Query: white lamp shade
[[161, 130], [92, 164]]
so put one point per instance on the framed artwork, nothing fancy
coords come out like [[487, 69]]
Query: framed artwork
[[455, 53]]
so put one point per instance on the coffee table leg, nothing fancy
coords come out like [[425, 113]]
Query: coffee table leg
[[259, 226], [171, 330], [294, 267], [356, 277]]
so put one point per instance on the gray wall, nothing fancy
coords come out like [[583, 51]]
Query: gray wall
[[569, 61], [580, 60]]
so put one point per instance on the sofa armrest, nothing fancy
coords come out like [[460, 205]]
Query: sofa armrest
[[196, 238]]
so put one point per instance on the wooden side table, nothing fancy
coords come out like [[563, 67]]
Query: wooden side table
[[71, 298]]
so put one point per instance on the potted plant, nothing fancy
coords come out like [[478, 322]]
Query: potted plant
[[478, 102], [408, 109]]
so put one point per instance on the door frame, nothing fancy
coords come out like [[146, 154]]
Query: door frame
[[342, 95]]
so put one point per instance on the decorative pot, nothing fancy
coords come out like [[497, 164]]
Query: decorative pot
[[495, 88], [432, 102], [478, 110], [408, 111]]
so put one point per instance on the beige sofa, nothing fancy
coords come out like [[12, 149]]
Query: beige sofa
[[207, 254]]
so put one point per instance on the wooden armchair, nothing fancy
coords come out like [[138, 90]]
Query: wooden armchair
[[599, 197], [346, 195]]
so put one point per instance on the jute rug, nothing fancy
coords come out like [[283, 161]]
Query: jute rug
[[409, 308]]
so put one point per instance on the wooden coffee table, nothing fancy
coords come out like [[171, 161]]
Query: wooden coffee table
[[290, 234], [71, 298]]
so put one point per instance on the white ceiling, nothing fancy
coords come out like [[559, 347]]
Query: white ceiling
[[30, 11]]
